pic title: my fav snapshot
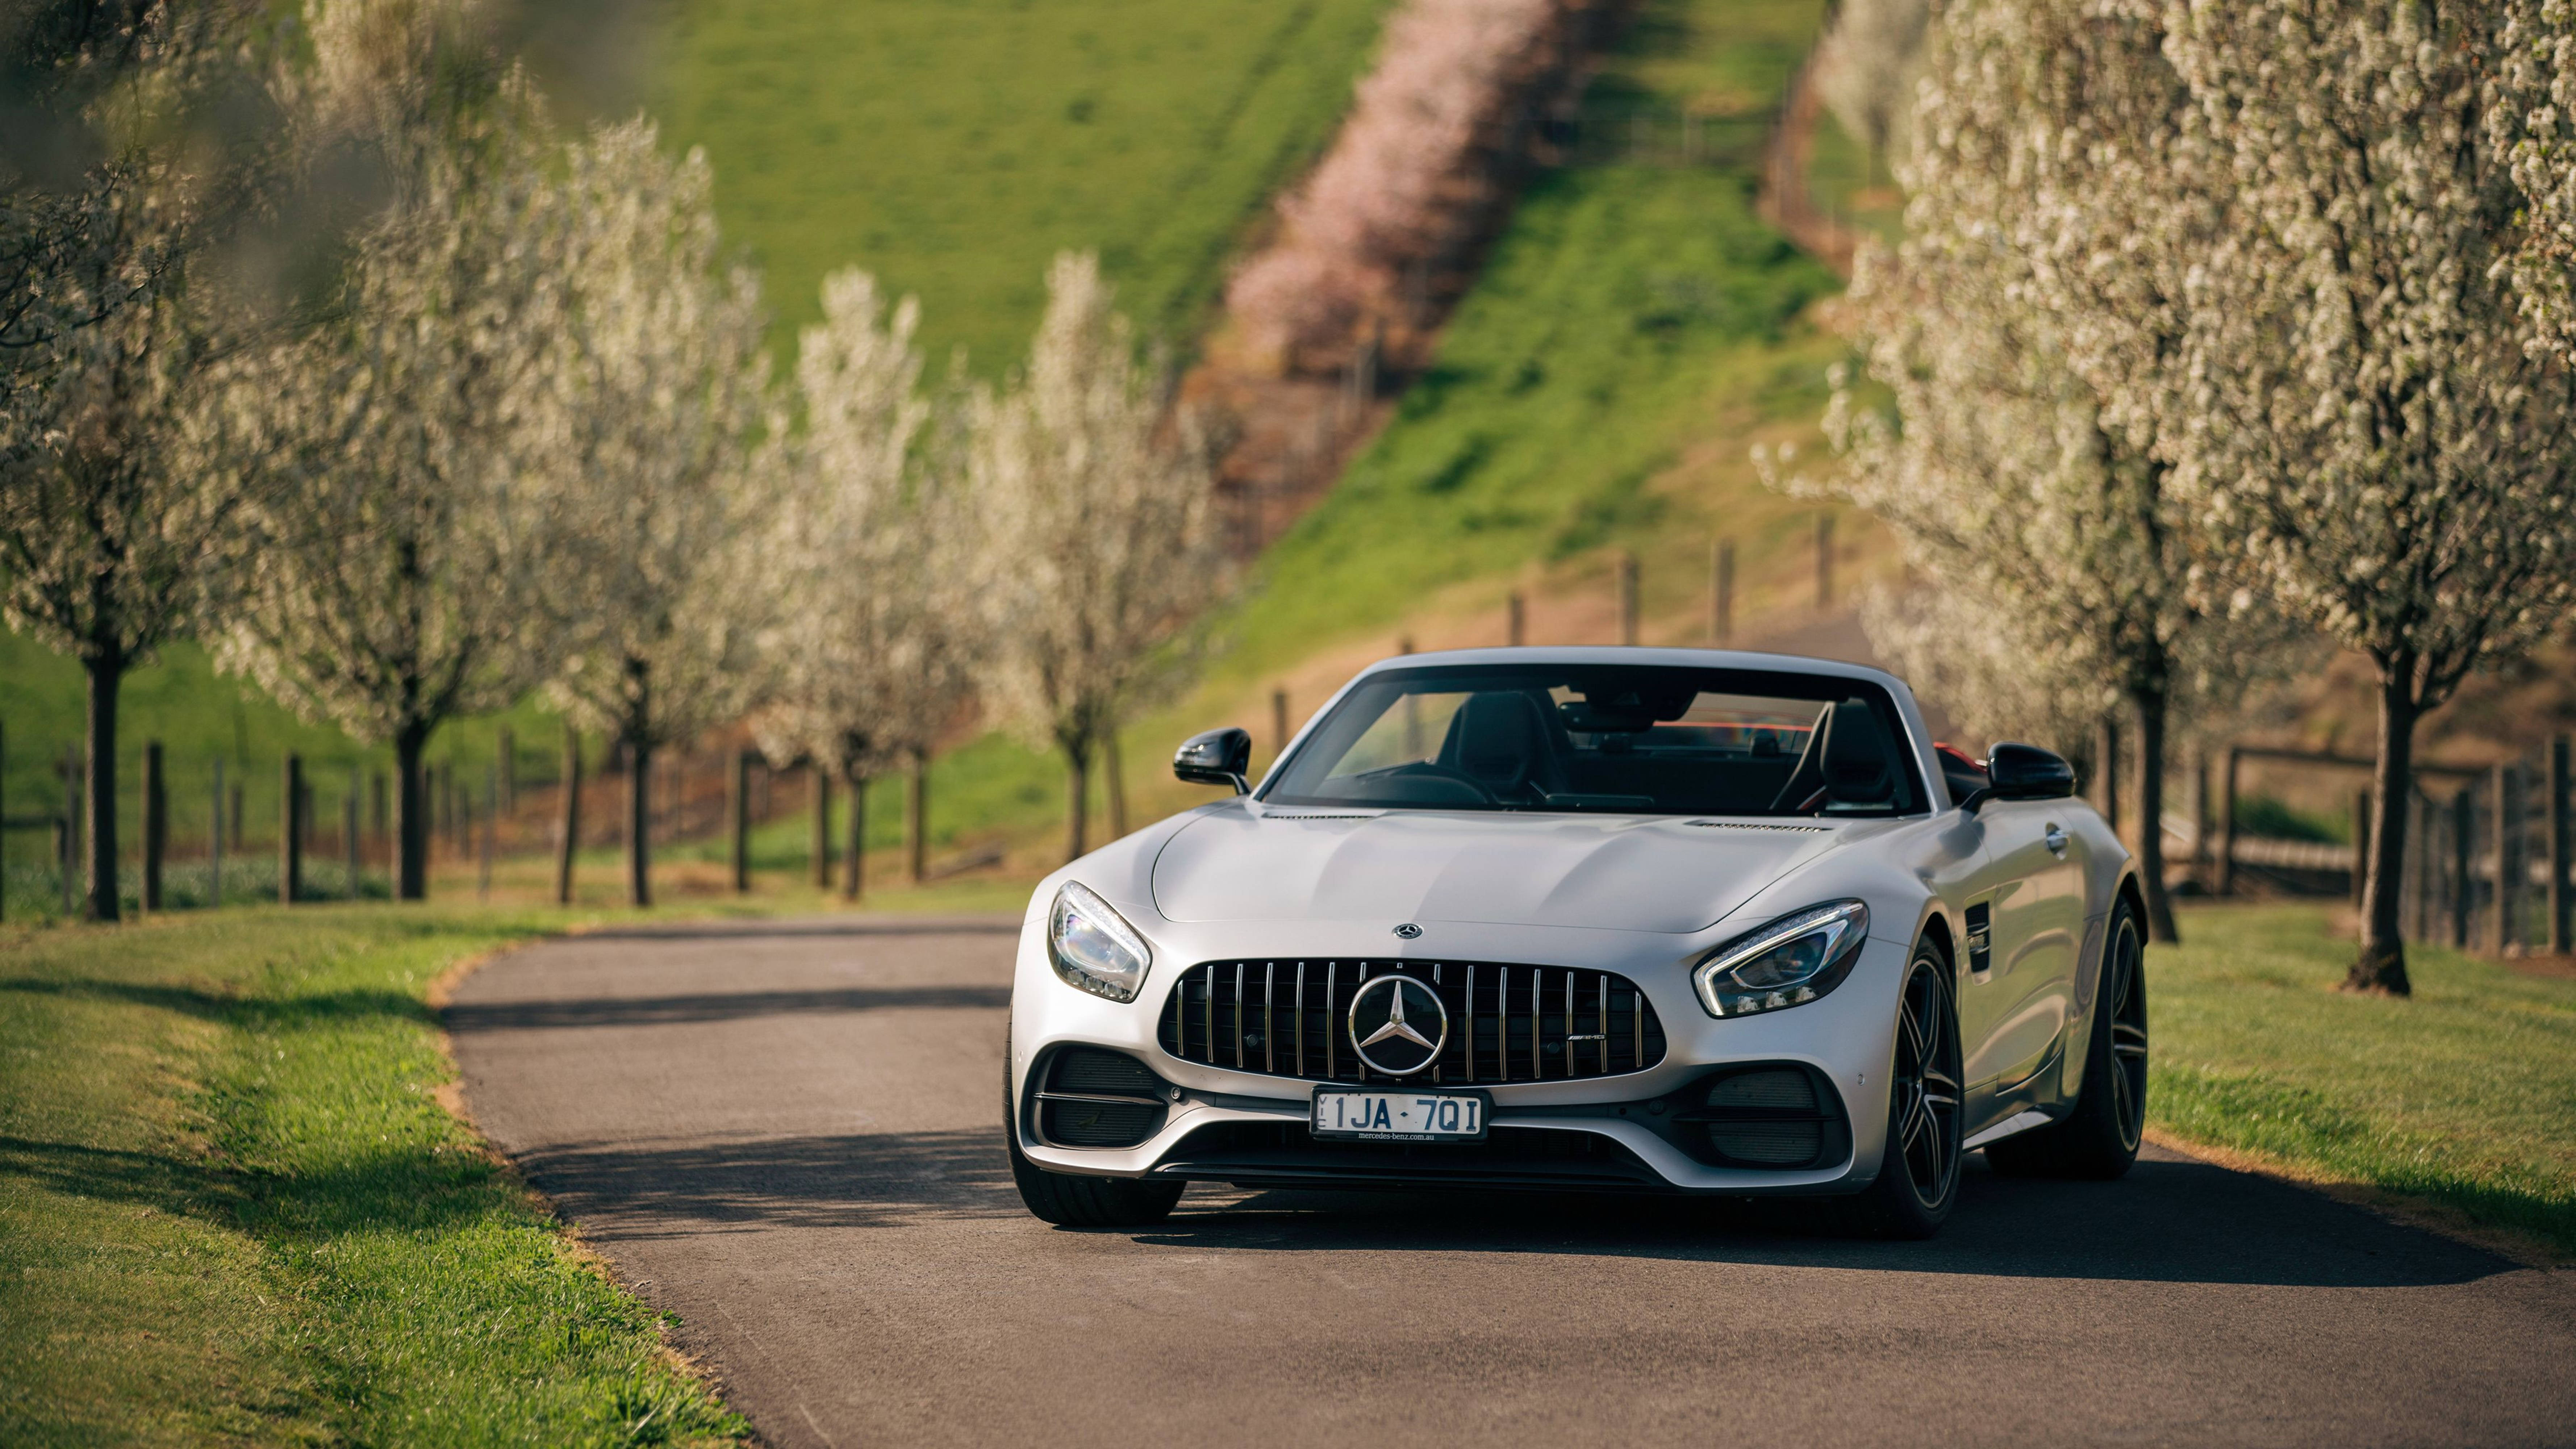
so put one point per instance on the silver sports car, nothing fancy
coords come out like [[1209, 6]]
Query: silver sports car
[[1661, 920]]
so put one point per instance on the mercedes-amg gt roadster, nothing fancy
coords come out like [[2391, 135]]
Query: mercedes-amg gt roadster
[[1660, 920]]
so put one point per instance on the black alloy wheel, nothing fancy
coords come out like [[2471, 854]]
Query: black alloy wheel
[[2099, 1138], [1918, 1177], [1925, 1117]]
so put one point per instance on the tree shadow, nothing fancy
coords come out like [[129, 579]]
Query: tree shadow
[[994, 925], [474, 1016], [260, 1012], [626, 1191]]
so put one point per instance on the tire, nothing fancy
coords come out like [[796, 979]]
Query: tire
[[1918, 1177], [2099, 1139], [1070, 1200]]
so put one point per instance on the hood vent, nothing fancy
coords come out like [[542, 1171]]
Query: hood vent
[[1279, 815], [1748, 825]]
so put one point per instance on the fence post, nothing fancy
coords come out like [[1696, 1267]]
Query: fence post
[[2360, 844], [1518, 631], [916, 816], [1278, 724], [1721, 593], [490, 840], [1627, 598], [290, 830], [1824, 561], [854, 860], [822, 846], [376, 805], [215, 841], [156, 824], [2558, 887], [2464, 836], [570, 824], [350, 860], [2227, 823], [2501, 827], [739, 807], [508, 750]]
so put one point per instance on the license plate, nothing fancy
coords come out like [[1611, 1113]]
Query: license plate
[[1400, 1116]]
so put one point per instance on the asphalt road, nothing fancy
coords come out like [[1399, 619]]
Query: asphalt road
[[787, 1134]]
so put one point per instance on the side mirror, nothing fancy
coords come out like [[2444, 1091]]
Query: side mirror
[[1218, 757], [2027, 772]]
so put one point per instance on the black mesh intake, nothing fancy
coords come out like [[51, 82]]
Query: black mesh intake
[[1784, 1116], [1089, 1097], [1506, 1023]]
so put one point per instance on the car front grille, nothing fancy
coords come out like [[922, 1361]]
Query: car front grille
[[1288, 1018]]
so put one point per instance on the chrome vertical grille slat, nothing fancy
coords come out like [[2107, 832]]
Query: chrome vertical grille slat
[[1269, 1025]]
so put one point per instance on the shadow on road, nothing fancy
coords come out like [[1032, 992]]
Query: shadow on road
[[2169, 1221], [861, 1180], [810, 930], [469, 1016]]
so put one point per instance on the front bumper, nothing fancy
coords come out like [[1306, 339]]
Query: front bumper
[[1603, 1133]]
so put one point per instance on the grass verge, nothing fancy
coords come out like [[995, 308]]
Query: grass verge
[[232, 1209], [2460, 1102]]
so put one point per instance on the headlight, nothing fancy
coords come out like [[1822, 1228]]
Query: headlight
[[1793, 960], [1093, 947]]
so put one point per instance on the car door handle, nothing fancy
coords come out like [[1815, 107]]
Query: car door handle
[[2055, 838]]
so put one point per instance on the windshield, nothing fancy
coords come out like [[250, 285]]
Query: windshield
[[1607, 737]]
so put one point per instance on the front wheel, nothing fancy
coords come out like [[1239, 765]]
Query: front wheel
[[1070, 1200], [2099, 1139], [1918, 1177]]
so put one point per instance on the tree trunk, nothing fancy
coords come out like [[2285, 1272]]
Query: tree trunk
[[106, 674], [639, 823], [821, 849], [854, 859], [916, 818], [571, 824], [411, 814], [1077, 799], [1117, 783], [2382, 963], [2150, 705]]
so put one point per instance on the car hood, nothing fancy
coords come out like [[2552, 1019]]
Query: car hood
[[1629, 873]]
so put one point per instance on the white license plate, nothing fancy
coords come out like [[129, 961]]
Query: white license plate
[[1400, 1116]]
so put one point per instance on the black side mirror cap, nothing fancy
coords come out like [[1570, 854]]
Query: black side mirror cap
[[1217, 757], [2026, 772]]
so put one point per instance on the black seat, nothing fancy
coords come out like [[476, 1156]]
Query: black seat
[[1500, 740]]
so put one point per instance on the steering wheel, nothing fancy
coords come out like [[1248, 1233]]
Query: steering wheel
[[1421, 768]]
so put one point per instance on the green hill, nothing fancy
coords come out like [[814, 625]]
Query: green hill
[[1635, 329], [953, 146]]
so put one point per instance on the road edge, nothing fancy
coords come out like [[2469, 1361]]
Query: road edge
[[2403, 1208]]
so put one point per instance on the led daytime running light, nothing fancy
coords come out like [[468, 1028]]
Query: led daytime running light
[[1093, 948], [1789, 962]]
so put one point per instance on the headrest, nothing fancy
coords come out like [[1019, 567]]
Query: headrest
[[1500, 735], [1858, 762]]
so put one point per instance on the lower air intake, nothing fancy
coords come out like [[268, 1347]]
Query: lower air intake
[[1088, 1097]]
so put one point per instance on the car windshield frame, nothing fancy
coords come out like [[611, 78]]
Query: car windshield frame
[[1370, 702]]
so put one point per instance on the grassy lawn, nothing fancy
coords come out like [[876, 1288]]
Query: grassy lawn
[[233, 1211], [2462, 1099]]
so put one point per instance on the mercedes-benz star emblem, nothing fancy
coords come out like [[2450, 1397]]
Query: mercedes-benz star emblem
[[1408, 931], [1398, 1025]]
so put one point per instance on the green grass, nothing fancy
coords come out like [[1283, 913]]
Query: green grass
[[231, 1209], [2463, 1097], [953, 146]]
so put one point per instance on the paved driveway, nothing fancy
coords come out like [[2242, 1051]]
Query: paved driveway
[[788, 1135]]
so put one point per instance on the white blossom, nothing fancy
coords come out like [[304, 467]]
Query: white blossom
[[653, 391], [1098, 547]]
